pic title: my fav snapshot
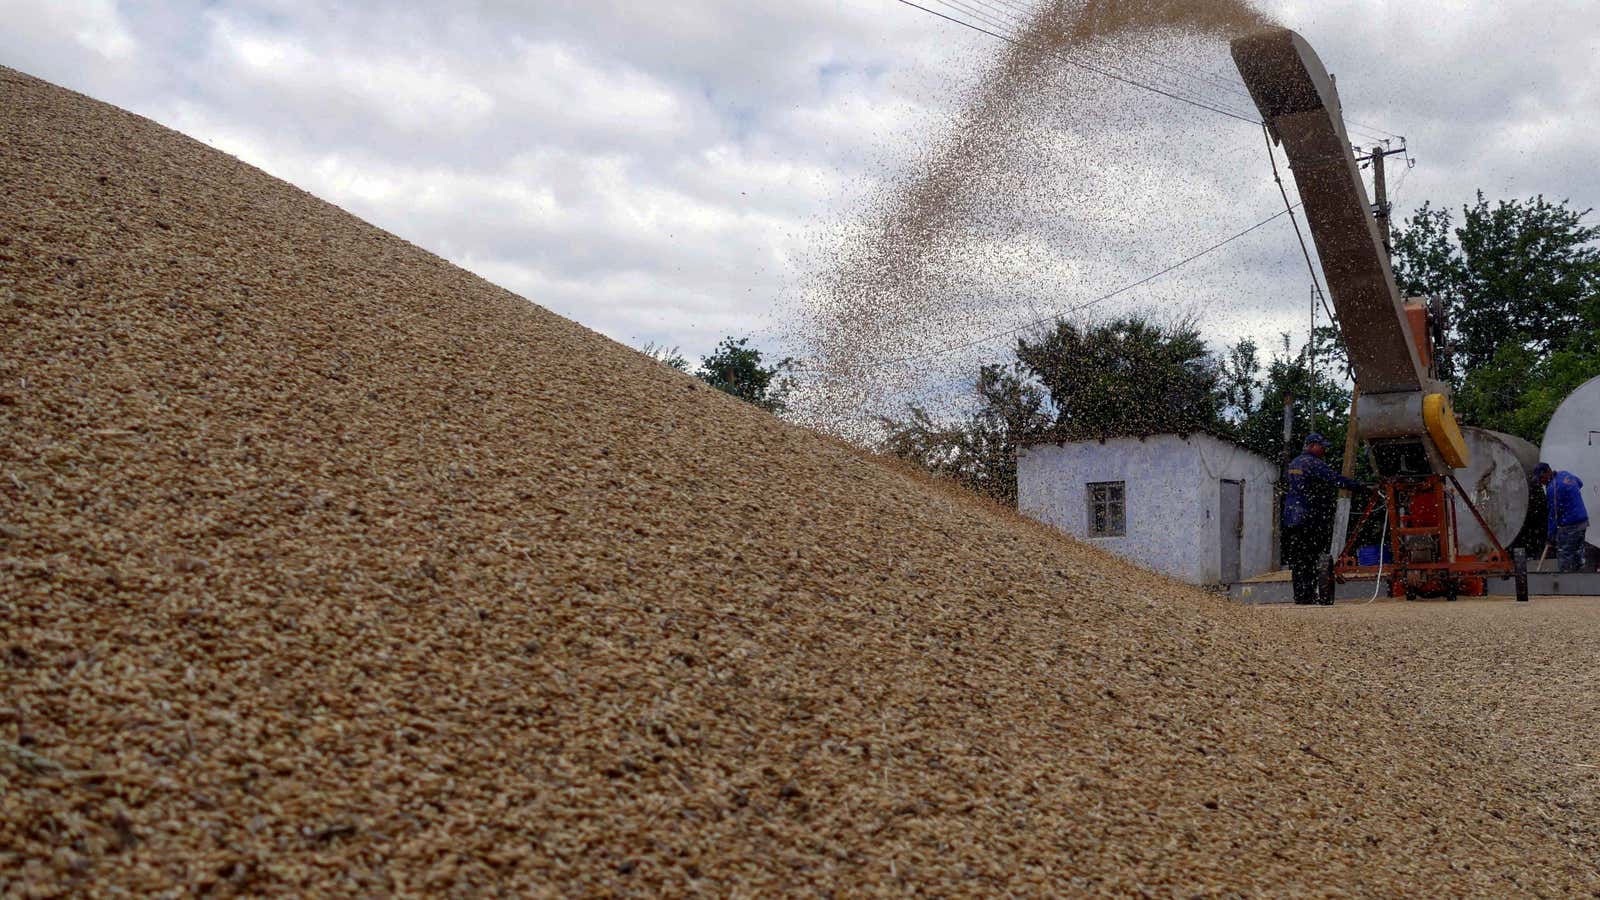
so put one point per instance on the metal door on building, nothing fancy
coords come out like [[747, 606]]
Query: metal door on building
[[1230, 522]]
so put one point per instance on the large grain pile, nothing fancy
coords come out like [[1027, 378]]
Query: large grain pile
[[326, 565]]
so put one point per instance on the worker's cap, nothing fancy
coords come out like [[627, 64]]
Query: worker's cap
[[1542, 469], [1316, 438]]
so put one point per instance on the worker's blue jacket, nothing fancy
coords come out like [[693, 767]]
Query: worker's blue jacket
[[1309, 485], [1564, 500]]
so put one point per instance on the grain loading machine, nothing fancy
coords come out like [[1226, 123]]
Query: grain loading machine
[[1404, 415]]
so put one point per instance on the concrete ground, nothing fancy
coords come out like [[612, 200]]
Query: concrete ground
[[1522, 680], [1274, 587]]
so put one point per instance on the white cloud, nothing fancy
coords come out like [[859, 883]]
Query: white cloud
[[559, 84], [99, 26], [408, 93], [88, 36]]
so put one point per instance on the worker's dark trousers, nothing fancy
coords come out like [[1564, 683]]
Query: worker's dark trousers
[[1300, 553], [1569, 545]]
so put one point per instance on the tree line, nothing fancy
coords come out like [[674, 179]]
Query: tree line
[[735, 368], [1520, 286]]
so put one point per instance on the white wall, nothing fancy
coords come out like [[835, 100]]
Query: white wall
[[1173, 493]]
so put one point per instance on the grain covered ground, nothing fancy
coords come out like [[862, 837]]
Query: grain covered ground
[[1516, 682], [328, 567]]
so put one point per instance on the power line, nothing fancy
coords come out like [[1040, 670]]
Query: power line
[[1315, 282], [1101, 299], [990, 19], [1400, 185], [1021, 13], [1131, 68], [1085, 66], [1019, 9], [1228, 83], [1007, 10], [1016, 16], [1018, 23]]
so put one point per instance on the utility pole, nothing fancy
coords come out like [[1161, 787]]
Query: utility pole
[[1380, 188], [1284, 456], [1311, 364]]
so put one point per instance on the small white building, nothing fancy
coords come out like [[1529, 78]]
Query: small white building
[[1196, 508]]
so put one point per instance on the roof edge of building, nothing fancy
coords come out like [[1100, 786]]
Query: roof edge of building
[[1105, 439]]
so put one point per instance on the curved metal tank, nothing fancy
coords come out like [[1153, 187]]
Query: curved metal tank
[[1497, 483], [1572, 443]]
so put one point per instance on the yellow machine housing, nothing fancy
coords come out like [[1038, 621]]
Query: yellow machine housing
[[1445, 431]]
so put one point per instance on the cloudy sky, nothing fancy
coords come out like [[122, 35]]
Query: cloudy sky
[[677, 171]]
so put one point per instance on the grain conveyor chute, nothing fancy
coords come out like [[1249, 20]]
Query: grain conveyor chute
[[1404, 418]]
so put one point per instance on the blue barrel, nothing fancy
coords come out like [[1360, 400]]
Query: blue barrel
[[1368, 555]]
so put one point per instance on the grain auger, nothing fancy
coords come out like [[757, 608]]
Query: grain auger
[[1404, 416]]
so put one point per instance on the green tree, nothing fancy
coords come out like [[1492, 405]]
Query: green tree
[[1238, 376], [1518, 390], [1321, 403], [979, 452], [736, 368], [1521, 286], [1531, 269], [1427, 261], [1126, 377], [669, 357], [1119, 364]]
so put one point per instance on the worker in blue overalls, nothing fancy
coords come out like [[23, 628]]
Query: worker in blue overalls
[[1311, 488], [1567, 520]]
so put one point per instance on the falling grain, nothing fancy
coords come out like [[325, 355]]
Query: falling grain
[[972, 232]]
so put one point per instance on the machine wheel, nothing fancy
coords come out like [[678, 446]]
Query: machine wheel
[[1325, 580], [1452, 590], [1519, 568]]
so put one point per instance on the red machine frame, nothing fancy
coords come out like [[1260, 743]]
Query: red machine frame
[[1421, 529]]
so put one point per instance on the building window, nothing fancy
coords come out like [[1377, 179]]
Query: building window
[[1107, 509]]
